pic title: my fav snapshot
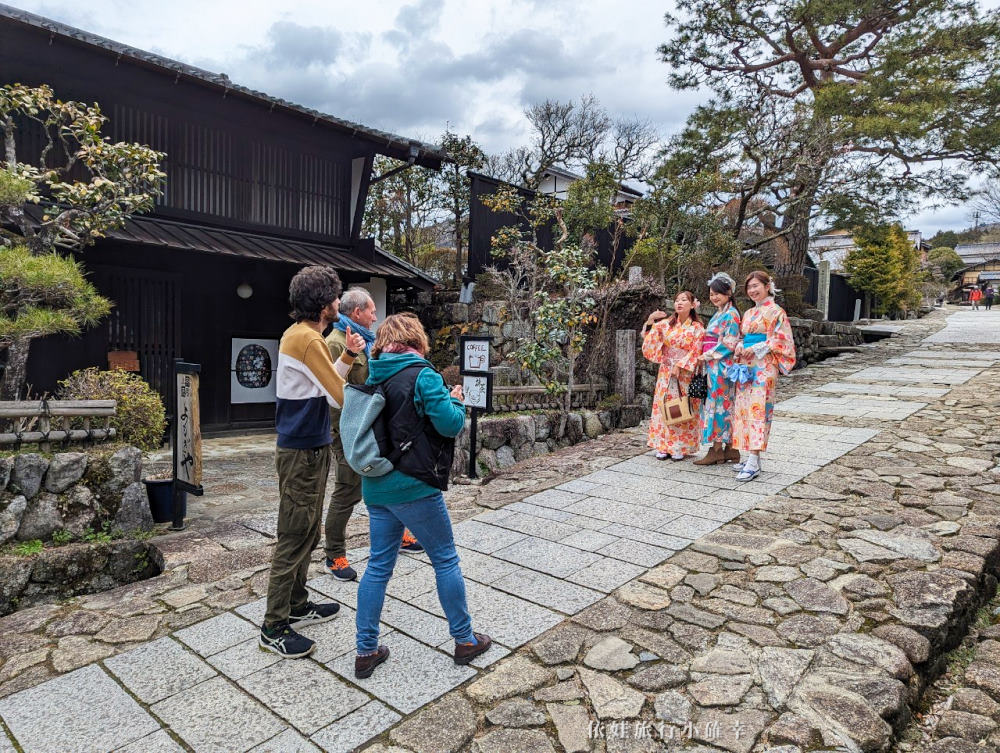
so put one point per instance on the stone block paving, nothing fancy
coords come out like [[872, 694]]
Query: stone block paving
[[914, 375], [529, 566], [848, 388], [622, 562], [857, 406], [977, 328]]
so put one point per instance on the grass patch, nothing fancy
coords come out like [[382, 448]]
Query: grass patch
[[28, 548], [61, 537], [105, 535]]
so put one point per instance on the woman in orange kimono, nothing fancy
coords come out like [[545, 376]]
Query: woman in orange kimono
[[675, 344], [766, 349]]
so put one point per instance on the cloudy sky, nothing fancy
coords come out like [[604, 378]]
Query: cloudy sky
[[413, 66]]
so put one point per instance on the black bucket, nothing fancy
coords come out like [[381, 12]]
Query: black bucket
[[161, 500]]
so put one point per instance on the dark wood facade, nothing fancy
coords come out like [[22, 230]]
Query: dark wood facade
[[484, 223], [237, 161]]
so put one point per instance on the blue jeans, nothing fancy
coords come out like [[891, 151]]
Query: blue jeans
[[428, 521]]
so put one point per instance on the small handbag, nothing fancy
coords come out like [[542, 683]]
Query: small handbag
[[676, 410], [698, 389]]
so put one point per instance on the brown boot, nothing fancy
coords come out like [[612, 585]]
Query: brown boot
[[713, 456], [731, 455], [365, 665], [466, 652]]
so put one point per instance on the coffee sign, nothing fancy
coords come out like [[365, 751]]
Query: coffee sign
[[475, 355]]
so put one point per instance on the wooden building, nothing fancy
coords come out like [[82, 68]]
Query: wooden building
[[484, 223], [256, 188], [978, 275]]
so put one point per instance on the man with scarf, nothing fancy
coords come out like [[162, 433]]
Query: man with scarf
[[357, 311]]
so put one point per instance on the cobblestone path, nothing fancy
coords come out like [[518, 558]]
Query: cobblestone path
[[619, 589]]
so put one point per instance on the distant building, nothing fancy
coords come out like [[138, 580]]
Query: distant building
[[976, 253], [980, 273], [837, 244], [557, 180]]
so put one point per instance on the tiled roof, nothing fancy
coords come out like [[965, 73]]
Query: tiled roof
[[975, 253]]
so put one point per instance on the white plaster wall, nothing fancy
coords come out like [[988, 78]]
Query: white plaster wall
[[378, 289]]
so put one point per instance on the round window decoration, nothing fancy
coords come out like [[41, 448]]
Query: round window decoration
[[253, 367]]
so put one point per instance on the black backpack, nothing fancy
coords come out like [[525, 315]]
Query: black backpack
[[382, 431]]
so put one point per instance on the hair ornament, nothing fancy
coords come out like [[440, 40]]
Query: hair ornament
[[723, 277]]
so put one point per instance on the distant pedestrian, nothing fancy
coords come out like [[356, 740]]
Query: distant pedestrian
[[674, 342], [721, 338], [975, 296], [988, 297], [357, 313], [410, 495], [767, 349], [308, 383]]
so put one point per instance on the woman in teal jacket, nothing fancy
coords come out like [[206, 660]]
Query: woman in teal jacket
[[401, 500]]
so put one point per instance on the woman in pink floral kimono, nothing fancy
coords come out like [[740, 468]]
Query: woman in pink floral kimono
[[766, 349], [675, 344]]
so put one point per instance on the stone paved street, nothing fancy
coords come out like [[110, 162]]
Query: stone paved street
[[784, 614]]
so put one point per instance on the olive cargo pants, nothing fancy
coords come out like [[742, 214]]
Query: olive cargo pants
[[346, 494], [302, 485]]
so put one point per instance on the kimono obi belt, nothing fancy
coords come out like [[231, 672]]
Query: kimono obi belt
[[709, 343], [740, 373]]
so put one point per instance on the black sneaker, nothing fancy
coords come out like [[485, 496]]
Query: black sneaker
[[413, 547], [313, 613], [284, 641], [341, 569]]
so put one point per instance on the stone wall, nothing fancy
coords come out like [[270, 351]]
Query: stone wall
[[71, 491], [501, 442], [812, 338], [83, 568]]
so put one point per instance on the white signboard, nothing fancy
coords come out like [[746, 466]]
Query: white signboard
[[476, 391], [253, 367], [476, 355]]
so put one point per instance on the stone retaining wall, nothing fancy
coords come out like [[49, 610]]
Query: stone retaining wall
[[74, 569], [71, 491], [813, 337], [963, 707]]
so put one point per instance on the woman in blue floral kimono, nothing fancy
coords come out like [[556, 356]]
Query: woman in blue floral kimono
[[721, 338]]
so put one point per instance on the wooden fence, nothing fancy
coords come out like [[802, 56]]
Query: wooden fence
[[47, 421], [536, 398]]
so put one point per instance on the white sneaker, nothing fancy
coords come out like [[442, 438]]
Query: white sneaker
[[662, 455]]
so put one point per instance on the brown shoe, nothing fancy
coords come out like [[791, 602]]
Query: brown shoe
[[464, 653], [365, 665], [713, 456], [731, 455]]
